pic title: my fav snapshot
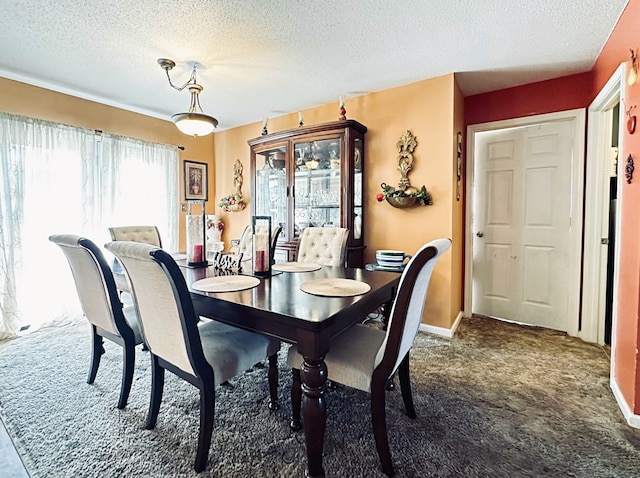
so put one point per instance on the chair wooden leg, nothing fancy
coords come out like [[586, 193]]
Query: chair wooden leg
[[273, 382], [296, 401], [207, 412], [157, 386], [128, 362], [405, 386], [97, 349], [379, 421]]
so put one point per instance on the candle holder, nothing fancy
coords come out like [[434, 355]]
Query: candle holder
[[261, 254], [196, 238]]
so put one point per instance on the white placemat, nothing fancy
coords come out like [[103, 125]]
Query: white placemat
[[296, 267], [335, 287], [225, 283]]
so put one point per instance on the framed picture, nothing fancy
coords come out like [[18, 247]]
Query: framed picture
[[195, 181]]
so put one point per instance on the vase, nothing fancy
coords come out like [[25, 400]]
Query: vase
[[215, 226]]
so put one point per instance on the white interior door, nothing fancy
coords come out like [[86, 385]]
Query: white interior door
[[522, 221]]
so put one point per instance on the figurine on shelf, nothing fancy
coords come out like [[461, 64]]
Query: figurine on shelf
[[343, 112], [264, 127]]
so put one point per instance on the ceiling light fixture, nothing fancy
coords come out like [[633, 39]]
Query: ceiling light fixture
[[194, 122]]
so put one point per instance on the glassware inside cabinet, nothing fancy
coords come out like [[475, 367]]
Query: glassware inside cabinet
[[271, 187], [357, 186], [317, 184]]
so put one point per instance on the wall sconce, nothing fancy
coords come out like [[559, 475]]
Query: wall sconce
[[632, 77], [194, 122]]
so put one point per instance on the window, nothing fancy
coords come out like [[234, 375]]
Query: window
[[57, 179]]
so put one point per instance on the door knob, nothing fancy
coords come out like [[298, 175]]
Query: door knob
[[479, 233]]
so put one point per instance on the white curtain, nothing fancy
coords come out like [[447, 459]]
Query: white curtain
[[58, 179]]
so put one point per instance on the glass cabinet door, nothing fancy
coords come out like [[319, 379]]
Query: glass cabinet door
[[271, 187], [317, 184], [311, 176], [357, 189]]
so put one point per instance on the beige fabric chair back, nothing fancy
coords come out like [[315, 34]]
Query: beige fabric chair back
[[245, 245], [246, 242], [91, 279], [144, 234], [326, 246], [406, 312], [158, 310]]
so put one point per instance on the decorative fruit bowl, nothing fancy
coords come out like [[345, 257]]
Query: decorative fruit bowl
[[407, 197], [402, 201]]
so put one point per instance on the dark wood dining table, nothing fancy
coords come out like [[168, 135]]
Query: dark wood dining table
[[277, 307]]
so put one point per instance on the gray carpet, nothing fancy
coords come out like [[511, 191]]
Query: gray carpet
[[498, 400]]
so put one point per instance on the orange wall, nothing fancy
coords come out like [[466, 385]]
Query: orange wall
[[426, 109], [457, 257], [627, 339], [22, 99], [578, 91]]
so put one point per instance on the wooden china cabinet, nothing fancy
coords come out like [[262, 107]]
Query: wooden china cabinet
[[311, 176]]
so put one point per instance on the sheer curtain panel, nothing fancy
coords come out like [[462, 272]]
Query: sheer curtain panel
[[62, 179]]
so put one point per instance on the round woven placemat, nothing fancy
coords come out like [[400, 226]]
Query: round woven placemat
[[335, 287], [296, 267], [225, 283]]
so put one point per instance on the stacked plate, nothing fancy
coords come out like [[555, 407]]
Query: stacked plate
[[391, 259]]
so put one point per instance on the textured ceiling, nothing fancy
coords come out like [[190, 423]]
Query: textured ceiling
[[264, 58]]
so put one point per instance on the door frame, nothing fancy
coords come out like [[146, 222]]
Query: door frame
[[577, 194], [597, 209]]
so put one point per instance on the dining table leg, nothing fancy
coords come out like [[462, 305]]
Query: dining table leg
[[313, 376]]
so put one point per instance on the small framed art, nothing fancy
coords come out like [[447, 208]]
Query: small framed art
[[195, 181]]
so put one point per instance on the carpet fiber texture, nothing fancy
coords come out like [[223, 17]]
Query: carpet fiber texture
[[497, 400]]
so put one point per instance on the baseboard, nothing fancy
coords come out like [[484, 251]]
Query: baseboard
[[432, 329], [632, 419]]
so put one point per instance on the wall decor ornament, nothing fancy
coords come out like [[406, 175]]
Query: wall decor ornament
[[405, 195], [628, 169], [195, 181], [458, 165], [631, 121], [234, 202], [632, 77]]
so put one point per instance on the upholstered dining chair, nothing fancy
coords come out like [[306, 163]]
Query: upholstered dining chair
[[326, 246], [102, 307], [245, 245], [365, 357], [204, 352], [143, 234]]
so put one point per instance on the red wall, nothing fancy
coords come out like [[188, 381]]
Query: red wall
[[578, 91], [558, 94]]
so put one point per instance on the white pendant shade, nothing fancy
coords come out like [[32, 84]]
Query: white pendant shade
[[194, 124]]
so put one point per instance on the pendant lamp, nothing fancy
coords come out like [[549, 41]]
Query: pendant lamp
[[193, 122]]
